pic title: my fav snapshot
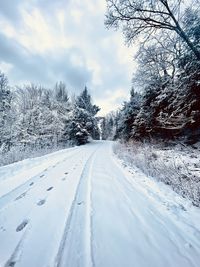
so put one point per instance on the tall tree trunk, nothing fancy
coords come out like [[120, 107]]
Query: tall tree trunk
[[181, 33], [190, 44]]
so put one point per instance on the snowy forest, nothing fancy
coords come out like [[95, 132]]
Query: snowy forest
[[165, 96], [159, 127], [164, 104], [35, 120], [100, 133]]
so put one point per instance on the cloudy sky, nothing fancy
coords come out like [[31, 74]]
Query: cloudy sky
[[44, 41]]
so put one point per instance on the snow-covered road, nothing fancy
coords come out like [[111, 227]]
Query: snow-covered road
[[80, 207]]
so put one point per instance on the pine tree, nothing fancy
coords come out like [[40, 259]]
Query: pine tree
[[89, 122], [127, 116], [75, 129], [84, 101]]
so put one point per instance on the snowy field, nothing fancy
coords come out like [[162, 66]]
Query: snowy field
[[82, 207]]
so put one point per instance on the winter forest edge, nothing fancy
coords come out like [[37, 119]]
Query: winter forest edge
[[163, 110]]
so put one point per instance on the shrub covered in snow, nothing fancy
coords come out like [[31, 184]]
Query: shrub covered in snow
[[178, 167]]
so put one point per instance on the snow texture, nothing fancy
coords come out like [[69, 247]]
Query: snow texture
[[81, 207]]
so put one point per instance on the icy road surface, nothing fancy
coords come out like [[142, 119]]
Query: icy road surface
[[80, 208]]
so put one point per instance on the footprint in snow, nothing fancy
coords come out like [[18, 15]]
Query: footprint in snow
[[2, 229], [21, 196], [21, 226], [50, 188], [41, 202], [11, 264], [188, 246]]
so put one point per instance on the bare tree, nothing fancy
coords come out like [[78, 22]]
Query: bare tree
[[158, 61], [61, 92], [145, 17]]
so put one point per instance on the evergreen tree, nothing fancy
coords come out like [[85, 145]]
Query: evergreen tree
[[84, 101], [88, 121], [128, 115], [75, 129]]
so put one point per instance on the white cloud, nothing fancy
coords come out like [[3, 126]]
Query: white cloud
[[77, 15], [7, 28], [113, 99], [5, 67], [96, 69], [69, 39]]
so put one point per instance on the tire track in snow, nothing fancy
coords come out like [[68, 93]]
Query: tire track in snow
[[73, 231], [31, 183], [15, 257], [147, 229], [126, 186], [30, 209]]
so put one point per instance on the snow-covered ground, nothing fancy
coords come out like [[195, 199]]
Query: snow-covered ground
[[177, 165], [81, 207]]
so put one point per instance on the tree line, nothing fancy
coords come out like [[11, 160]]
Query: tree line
[[34, 117], [165, 95]]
